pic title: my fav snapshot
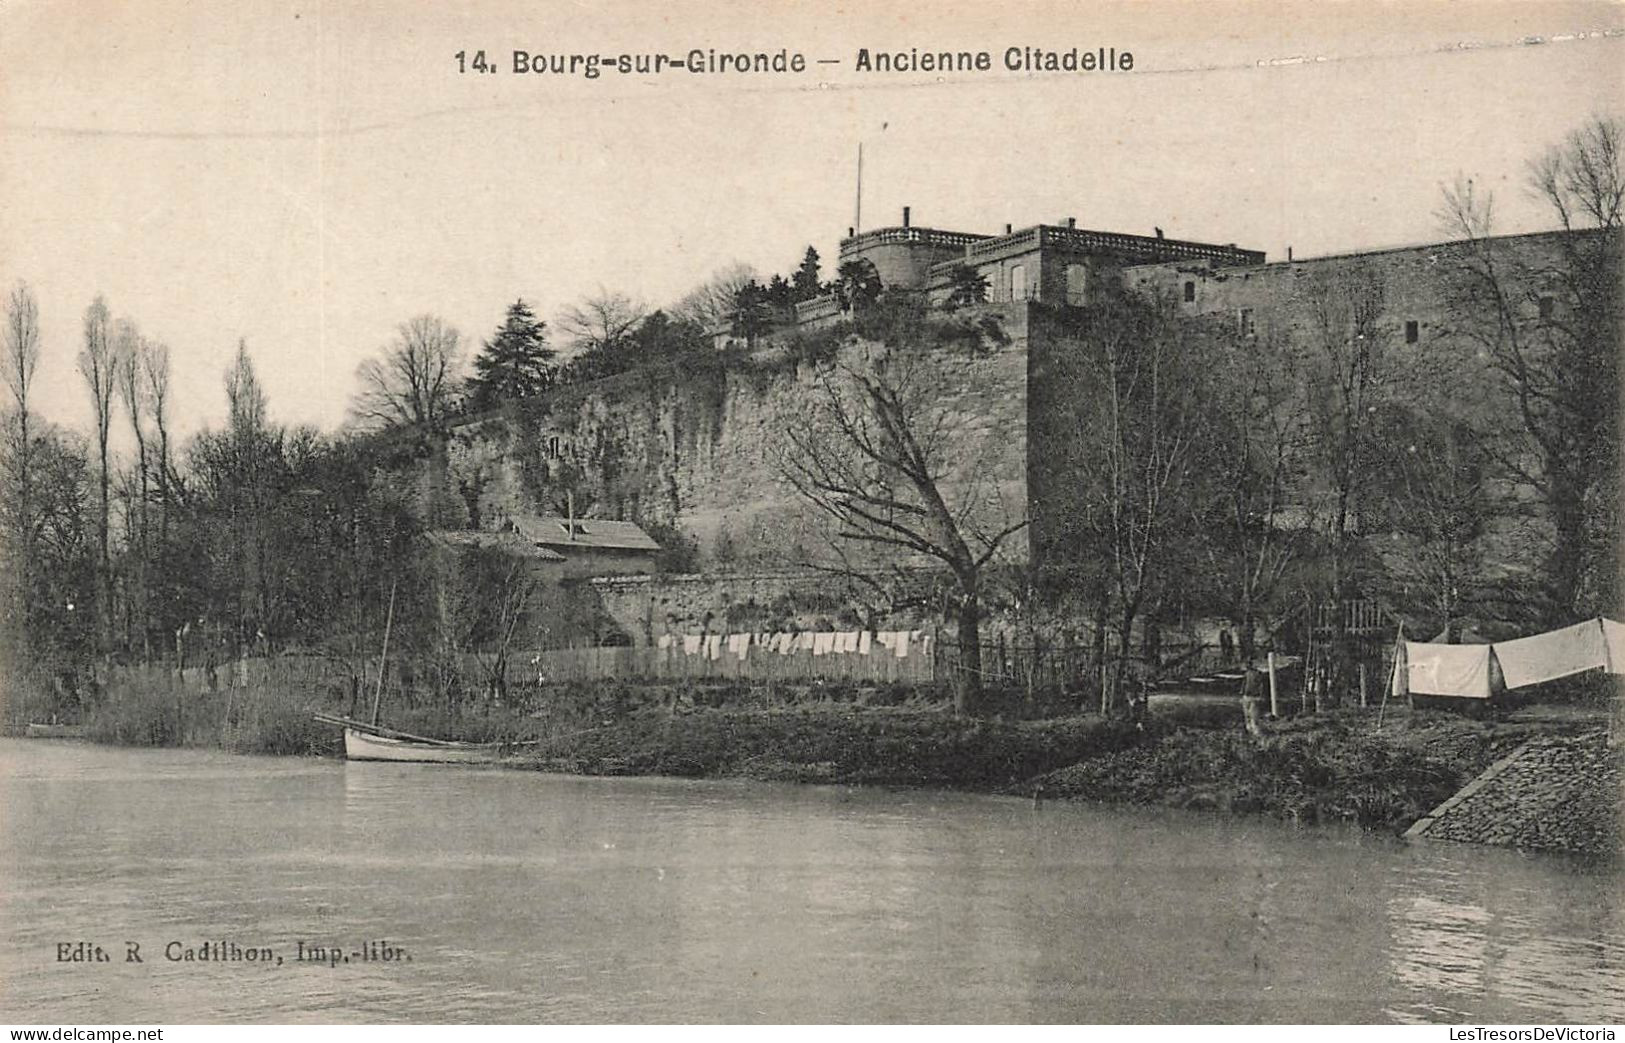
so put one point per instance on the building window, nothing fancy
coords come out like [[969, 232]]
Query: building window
[[1244, 322], [1018, 283], [1547, 307], [1190, 291], [553, 447], [1077, 284], [1413, 331]]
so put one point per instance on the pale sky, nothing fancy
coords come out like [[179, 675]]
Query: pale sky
[[306, 175]]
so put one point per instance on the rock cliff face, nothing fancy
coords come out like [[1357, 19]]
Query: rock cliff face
[[702, 450]]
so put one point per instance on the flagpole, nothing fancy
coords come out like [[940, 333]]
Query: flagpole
[[857, 217]]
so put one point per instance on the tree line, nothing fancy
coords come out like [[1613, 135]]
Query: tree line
[[1254, 470], [255, 536]]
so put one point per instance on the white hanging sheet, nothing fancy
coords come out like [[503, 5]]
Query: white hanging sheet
[[1459, 670], [1548, 656]]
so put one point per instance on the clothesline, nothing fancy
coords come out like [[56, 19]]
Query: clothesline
[[898, 643], [1477, 671]]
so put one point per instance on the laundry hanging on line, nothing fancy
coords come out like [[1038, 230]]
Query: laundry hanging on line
[[1554, 654], [1613, 639], [1459, 670]]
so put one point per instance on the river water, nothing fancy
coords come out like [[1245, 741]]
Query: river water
[[517, 897]]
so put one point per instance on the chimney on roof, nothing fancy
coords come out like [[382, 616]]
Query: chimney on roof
[[1158, 231], [1072, 222], [850, 231], [1289, 253], [1008, 228], [905, 217]]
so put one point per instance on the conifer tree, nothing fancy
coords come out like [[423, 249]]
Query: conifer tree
[[805, 280], [514, 364]]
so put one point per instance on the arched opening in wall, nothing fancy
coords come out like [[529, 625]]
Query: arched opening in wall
[[1190, 290], [1018, 283], [1077, 284]]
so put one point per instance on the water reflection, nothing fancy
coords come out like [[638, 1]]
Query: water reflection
[[1473, 927], [525, 897]]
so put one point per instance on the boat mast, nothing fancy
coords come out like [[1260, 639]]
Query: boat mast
[[389, 620]]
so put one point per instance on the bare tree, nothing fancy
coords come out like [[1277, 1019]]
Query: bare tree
[[512, 601], [1550, 326], [246, 414], [98, 364], [1439, 504], [18, 511], [155, 377], [415, 381], [713, 302], [1348, 372], [875, 452], [21, 361], [601, 321], [253, 449], [1256, 462], [1142, 429], [482, 595], [1581, 179], [129, 351]]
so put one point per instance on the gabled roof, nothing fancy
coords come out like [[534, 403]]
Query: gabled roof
[[507, 542], [552, 530]]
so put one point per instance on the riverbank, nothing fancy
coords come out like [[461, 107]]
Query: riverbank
[[1337, 767], [1332, 767]]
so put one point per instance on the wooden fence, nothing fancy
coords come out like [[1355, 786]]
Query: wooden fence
[[551, 666], [1003, 664]]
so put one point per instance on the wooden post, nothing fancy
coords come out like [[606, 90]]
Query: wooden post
[[1396, 676], [1275, 693]]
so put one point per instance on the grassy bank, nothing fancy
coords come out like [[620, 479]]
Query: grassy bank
[[837, 743], [243, 720], [1329, 768], [1335, 767], [1324, 768]]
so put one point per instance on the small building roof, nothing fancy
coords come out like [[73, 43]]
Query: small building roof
[[508, 542], [550, 530]]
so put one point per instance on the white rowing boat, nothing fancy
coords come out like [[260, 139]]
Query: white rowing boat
[[56, 731], [362, 746]]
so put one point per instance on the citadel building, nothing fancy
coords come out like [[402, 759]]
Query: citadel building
[[699, 455]]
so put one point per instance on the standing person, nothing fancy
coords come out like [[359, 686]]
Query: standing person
[[1252, 712], [1138, 701]]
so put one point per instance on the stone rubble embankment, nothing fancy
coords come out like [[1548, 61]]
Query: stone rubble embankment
[[1552, 794]]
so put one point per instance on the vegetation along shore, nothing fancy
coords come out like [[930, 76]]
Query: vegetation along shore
[[1382, 771]]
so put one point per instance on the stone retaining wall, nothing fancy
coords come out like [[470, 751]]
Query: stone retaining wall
[[1560, 794]]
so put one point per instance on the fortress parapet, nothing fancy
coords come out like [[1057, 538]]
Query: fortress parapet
[[1058, 263]]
